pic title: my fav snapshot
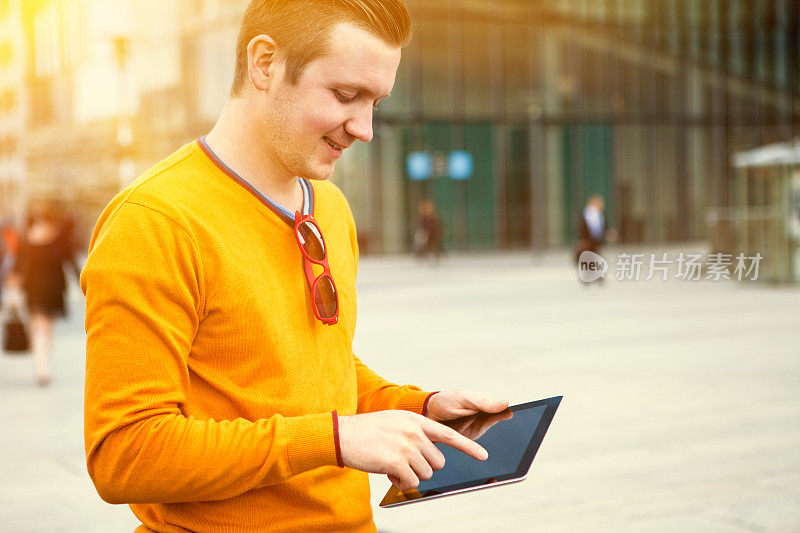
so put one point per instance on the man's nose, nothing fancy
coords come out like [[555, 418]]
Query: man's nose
[[360, 124]]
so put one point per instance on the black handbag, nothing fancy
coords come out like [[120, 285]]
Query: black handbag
[[15, 334]]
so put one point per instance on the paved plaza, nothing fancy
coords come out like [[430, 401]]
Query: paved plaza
[[681, 407]]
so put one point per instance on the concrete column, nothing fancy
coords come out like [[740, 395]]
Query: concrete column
[[698, 170], [553, 171], [393, 193], [352, 177]]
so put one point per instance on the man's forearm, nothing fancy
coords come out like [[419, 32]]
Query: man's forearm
[[170, 458]]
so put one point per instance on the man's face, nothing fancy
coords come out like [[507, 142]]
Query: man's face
[[309, 124]]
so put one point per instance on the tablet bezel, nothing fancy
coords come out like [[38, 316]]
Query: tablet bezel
[[391, 499]]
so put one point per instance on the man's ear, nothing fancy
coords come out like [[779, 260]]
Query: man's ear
[[261, 61]]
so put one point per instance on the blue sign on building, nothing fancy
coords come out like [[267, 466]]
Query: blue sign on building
[[459, 165], [419, 166]]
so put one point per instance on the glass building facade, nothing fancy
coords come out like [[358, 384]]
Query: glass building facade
[[642, 101]]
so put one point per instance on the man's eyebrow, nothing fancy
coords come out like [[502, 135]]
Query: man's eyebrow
[[366, 90]]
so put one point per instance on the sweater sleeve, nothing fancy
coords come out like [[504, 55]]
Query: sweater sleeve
[[143, 282], [377, 394]]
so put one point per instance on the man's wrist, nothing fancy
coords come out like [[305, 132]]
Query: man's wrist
[[427, 401]]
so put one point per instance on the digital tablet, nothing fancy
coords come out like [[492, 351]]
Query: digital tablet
[[512, 439]]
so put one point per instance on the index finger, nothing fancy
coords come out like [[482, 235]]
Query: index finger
[[440, 433]]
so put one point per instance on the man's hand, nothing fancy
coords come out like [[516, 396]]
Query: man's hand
[[473, 427], [448, 405], [400, 444]]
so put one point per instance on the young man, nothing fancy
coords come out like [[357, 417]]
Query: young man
[[222, 393]]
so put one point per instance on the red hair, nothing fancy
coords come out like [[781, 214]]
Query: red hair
[[302, 29]]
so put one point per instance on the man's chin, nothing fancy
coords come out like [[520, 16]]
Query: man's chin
[[320, 174]]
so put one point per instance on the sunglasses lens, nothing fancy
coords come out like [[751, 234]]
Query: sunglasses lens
[[310, 237], [325, 297]]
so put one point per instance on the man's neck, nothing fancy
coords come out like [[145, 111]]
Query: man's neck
[[236, 142]]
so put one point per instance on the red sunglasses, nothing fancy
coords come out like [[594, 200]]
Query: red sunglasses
[[324, 298]]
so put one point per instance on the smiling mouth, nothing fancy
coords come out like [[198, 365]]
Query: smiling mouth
[[333, 144]]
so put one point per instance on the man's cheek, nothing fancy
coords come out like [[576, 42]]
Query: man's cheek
[[324, 120]]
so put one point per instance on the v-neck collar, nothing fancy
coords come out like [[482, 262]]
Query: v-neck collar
[[285, 214]]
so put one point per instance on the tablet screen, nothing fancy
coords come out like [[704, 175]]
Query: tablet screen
[[505, 441], [511, 438]]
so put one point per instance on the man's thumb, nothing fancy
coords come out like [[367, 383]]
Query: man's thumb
[[497, 406], [488, 405]]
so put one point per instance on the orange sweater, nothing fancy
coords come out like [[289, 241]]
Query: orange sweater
[[211, 388]]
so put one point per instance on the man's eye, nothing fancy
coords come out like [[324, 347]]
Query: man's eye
[[343, 98]]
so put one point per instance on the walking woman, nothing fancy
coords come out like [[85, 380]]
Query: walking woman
[[45, 245]]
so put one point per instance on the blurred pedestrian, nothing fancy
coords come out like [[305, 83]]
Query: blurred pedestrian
[[10, 242], [592, 232], [428, 235], [44, 247]]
